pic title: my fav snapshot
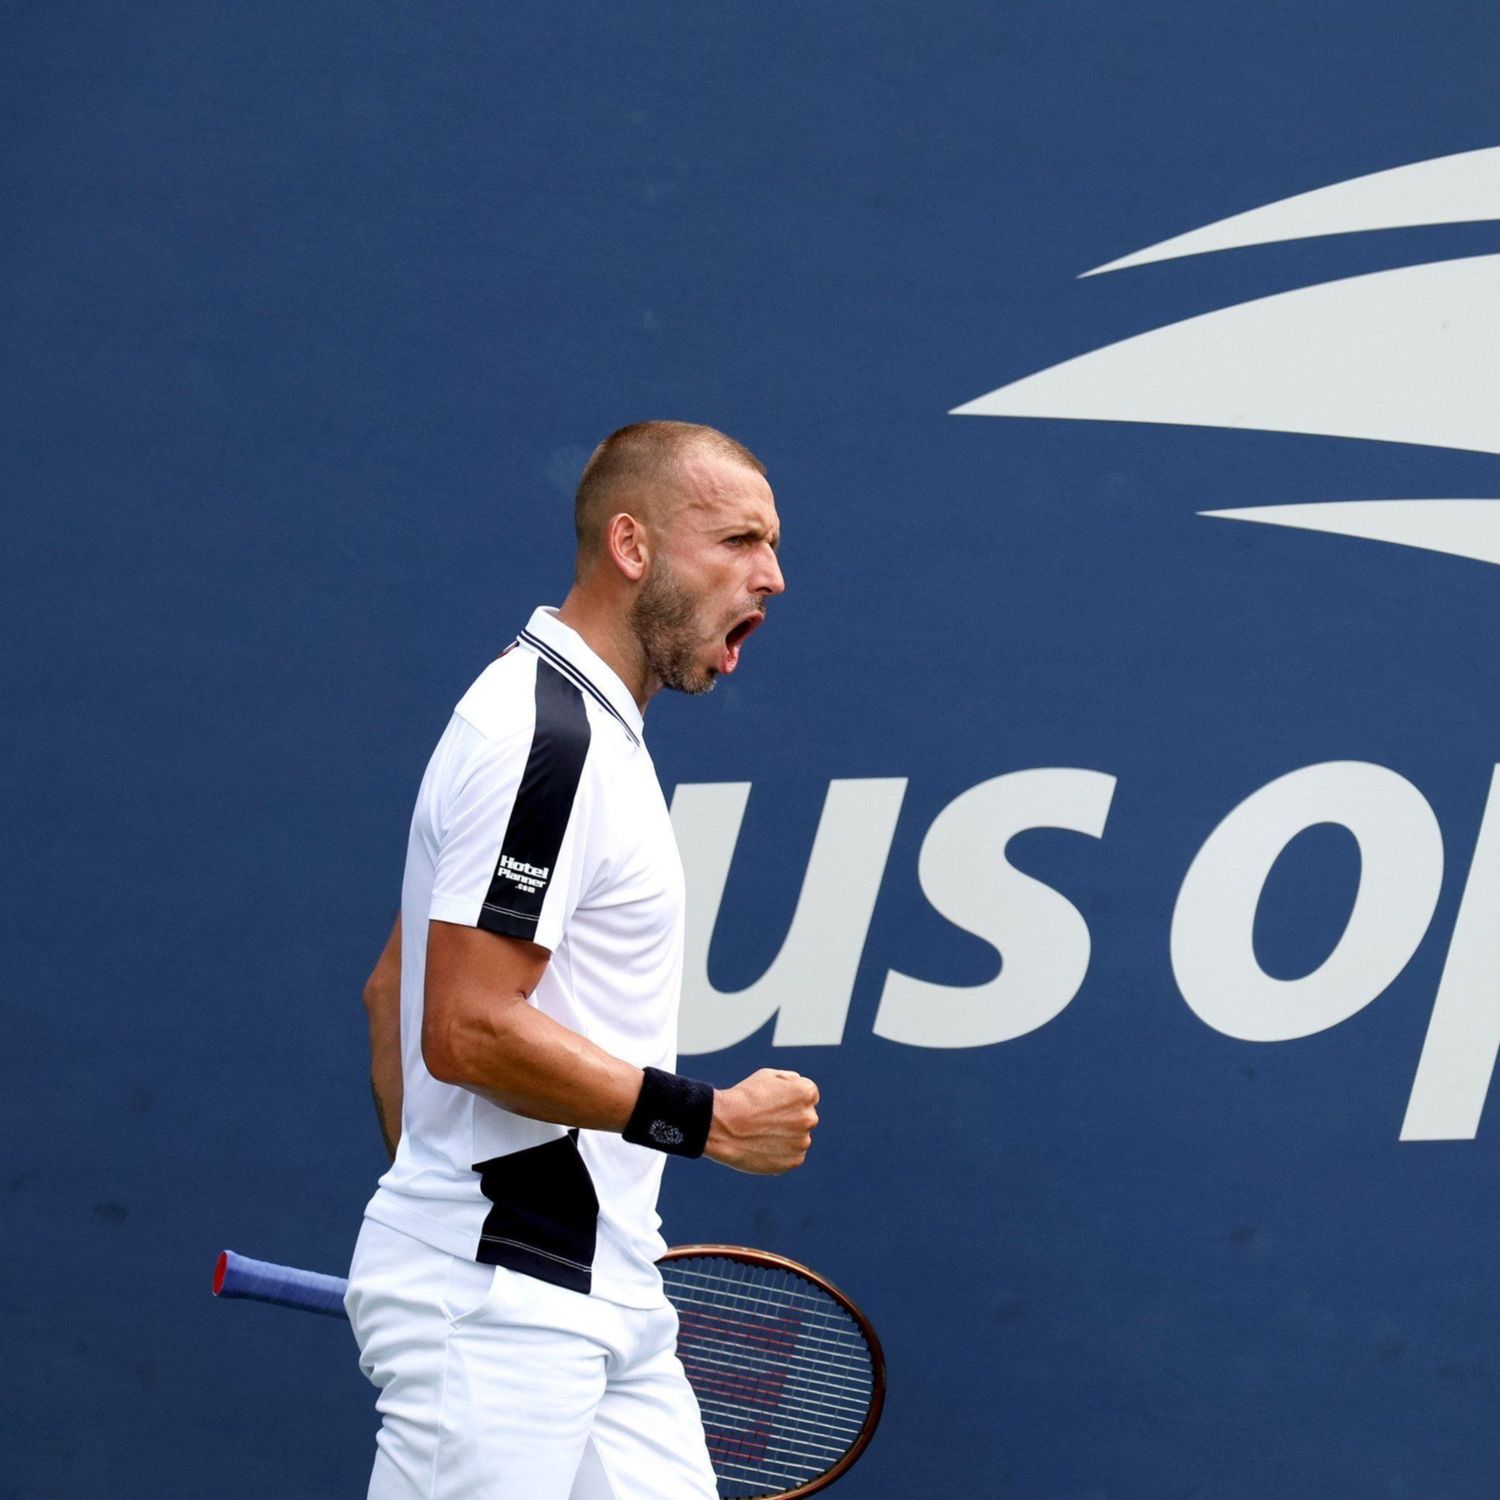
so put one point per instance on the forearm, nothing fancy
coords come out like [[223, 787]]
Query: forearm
[[479, 1031], [530, 1064]]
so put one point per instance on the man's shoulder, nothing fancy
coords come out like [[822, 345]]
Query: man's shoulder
[[500, 702], [521, 698]]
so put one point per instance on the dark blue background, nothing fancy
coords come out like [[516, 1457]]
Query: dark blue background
[[312, 312]]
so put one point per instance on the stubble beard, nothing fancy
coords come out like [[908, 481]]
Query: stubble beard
[[662, 616]]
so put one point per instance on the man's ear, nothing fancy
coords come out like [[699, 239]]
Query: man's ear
[[628, 545]]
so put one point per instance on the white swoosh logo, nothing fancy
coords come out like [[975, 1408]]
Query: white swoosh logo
[[1410, 355], [1459, 189], [1404, 356], [1463, 528]]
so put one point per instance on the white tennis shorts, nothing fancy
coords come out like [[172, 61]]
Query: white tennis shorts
[[496, 1386]]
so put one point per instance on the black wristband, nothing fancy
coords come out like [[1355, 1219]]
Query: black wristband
[[672, 1114]]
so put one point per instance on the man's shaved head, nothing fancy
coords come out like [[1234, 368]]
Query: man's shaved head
[[638, 469]]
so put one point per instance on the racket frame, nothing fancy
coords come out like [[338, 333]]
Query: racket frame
[[771, 1261]]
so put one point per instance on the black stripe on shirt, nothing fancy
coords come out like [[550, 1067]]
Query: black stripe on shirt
[[543, 805], [567, 668]]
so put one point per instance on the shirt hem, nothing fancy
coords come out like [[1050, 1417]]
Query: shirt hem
[[388, 1209]]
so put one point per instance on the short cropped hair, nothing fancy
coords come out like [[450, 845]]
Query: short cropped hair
[[644, 454]]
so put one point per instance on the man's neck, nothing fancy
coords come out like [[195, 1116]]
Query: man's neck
[[606, 631]]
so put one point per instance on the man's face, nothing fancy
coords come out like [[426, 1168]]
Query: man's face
[[713, 567]]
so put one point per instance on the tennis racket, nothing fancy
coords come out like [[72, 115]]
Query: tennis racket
[[788, 1373]]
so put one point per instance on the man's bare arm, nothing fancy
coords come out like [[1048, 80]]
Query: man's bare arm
[[479, 1032], [383, 1006]]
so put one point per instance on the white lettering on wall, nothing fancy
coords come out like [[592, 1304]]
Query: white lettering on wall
[[1043, 941], [809, 984], [1401, 870], [1463, 1037]]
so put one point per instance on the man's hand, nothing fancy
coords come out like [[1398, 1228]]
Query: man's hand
[[764, 1124]]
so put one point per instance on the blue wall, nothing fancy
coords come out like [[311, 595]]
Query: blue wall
[[313, 312]]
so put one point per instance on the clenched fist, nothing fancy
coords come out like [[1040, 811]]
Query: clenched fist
[[765, 1123]]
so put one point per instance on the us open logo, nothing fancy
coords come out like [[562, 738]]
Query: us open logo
[[1410, 355]]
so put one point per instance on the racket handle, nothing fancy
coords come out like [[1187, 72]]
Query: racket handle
[[286, 1286]]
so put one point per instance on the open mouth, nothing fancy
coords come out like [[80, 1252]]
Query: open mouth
[[736, 638]]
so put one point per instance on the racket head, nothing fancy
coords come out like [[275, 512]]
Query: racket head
[[789, 1373]]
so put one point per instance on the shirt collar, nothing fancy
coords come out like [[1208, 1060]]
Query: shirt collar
[[551, 639]]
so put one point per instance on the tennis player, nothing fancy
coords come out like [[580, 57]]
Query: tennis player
[[503, 1290]]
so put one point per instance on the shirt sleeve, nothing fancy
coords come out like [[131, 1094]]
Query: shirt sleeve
[[514, 852]]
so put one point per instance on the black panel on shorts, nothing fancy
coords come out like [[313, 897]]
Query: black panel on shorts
[[545, 1217], [544, 803]]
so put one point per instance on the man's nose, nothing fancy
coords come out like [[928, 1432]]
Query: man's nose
[[768, 579]]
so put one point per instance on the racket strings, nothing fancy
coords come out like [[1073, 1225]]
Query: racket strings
[[783, 1373], [815, 1354], [851, 1392]]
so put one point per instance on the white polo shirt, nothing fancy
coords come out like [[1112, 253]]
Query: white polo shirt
[[541, 817]]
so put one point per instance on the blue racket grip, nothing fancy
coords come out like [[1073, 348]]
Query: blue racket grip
[[286, 1286]]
